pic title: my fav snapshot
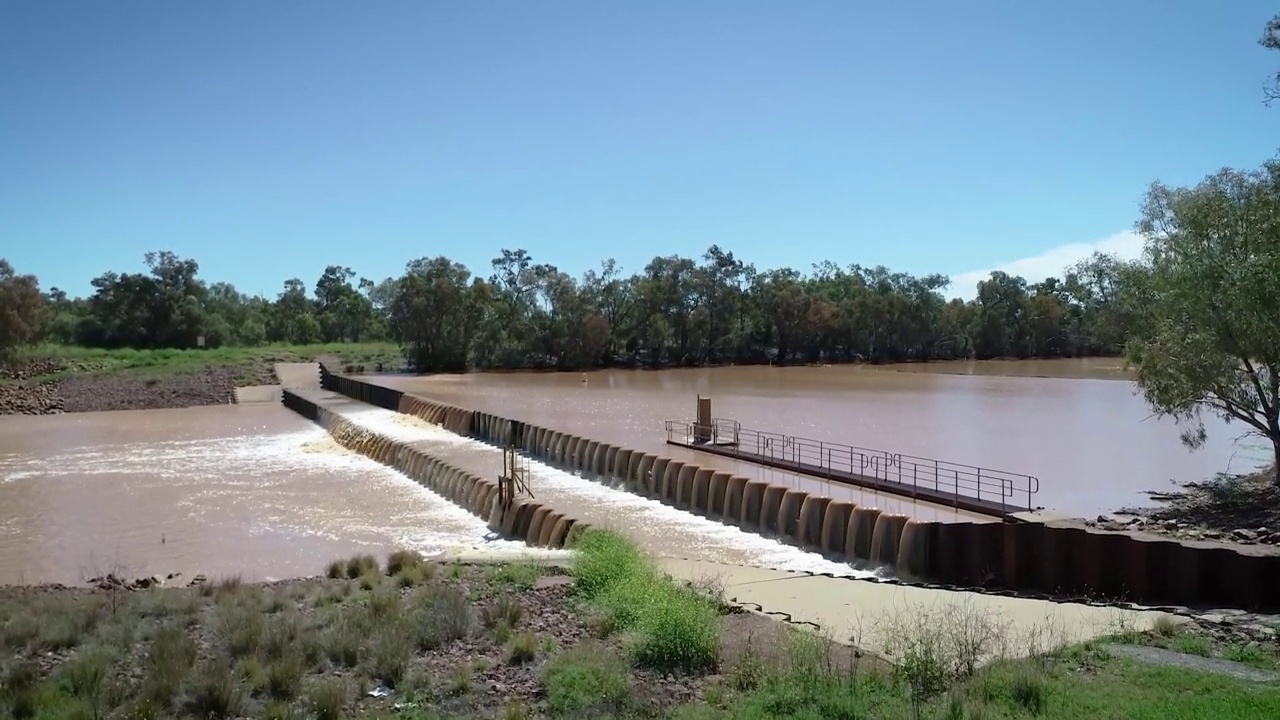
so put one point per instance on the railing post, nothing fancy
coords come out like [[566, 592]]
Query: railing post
[[980, 484]]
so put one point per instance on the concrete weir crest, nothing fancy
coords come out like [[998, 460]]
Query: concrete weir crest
[[1026, 557]]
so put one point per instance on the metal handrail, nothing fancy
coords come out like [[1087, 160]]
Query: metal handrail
[[882, 468]]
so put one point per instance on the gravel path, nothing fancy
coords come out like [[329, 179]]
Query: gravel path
[[1160, 656]]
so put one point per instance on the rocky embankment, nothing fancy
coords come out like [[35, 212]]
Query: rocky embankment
[[48, 387], [1238, 509], [1186, 530]]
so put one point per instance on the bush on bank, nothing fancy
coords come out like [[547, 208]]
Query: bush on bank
[[671, 627]]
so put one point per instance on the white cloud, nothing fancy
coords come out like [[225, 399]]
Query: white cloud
[[1126, 245]]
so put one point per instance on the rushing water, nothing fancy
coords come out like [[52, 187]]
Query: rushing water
[[658, 528], [253, 490], [259, 491]]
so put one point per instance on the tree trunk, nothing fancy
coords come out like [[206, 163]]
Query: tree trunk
[[1275, 467]]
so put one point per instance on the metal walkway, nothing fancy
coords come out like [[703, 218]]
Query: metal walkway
[[982, 490]]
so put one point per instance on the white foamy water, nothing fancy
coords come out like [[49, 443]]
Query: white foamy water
[[657, 527], [264, 504]]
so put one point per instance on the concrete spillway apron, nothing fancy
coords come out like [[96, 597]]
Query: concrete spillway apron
[[861, 613]]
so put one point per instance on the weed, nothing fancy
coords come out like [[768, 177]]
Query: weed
[[169, 660], [1248, 654], [336, 570], [283, 633], [361, 565], [1193, 645], [327, 698], [522, 649], [389, 652], [456, 571], [214, 692], [460, 681], [1166, 626], [515, 710], [439, 615], [239, 629], [506, 609], [403, 560], [284, 675], [604, 559], [587, 678], [522, 575], [384, 603], [343, 639]]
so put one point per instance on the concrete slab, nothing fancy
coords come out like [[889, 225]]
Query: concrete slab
[[258, 394], [298, 375], [876, 616]]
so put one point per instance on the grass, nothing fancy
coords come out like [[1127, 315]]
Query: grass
[[468, 641], [357, 357]]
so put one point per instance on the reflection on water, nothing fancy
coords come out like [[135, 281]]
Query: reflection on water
[[1092, 443], [186, 490]]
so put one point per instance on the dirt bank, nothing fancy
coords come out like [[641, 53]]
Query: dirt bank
[[414, 636], [1234, 508], [50, 386]]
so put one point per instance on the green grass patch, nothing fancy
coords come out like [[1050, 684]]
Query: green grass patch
[[362, 357], [673, 628]]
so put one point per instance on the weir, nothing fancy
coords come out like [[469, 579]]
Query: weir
[[1040, 559]]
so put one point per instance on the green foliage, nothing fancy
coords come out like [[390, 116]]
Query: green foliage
[[1205, 336], [673, 311], [25, 314], [587, 678], [675, 627]]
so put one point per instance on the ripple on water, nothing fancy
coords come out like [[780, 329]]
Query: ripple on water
[[222, 500]]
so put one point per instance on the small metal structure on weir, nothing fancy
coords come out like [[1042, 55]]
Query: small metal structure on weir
[[514, 480], [983, 490]]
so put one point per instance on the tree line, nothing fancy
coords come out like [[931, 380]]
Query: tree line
[[676, 311]]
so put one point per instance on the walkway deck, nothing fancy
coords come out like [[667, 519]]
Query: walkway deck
[[944, 496]]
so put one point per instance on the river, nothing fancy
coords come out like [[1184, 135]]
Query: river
[[258, 491]]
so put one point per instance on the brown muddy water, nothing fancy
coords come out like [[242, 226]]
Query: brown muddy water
[[1074, 424], [253, 490], [257, 490]]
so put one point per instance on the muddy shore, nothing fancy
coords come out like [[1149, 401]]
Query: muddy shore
[[50, 387]]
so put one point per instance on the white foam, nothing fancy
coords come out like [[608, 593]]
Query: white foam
[[652, 514], [231, 473]]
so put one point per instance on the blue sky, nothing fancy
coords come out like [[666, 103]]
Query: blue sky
[[268, 140]]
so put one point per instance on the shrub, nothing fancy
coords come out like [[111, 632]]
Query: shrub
[[343, 639], [361, 565], [523, 649], [389, 652], [169, 660], [384, 603], [284, 675], [439, 615], [604, 559], [679, 630], [401, 560], [283, 633], [506, 609], [585, 679], [214, 692], [327, 698], [337, 569], [239, 629]]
